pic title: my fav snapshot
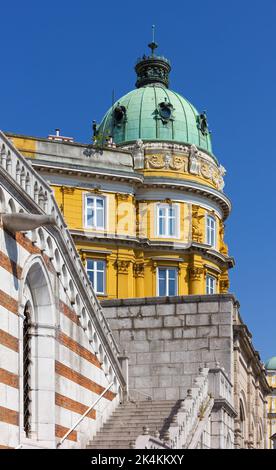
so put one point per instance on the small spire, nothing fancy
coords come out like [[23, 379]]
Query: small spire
[[153, 45], [152, 69]]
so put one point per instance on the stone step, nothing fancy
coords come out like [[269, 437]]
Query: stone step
[[138, 419], [139, 404], [118, 446], [118, 425], [159, 409], [111, 442], [125, 434], [147, 404], [140, 413], [128, 420]]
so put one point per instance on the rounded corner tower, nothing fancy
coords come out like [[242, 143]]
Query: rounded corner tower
[[178, 245]]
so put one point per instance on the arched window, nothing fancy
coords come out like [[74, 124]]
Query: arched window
[[27, 370], [242, 424], [37, 364]]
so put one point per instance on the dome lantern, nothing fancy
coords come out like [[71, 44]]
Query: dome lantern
[[152, 69]]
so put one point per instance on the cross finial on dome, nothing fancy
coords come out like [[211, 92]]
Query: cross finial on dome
[[153, 45]]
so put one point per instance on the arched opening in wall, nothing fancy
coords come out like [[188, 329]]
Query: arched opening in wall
[[50, 250], [260, 443], [41, 239], [9, 163], [28, 183], [229, 442], [57, 262], [37, 356], [27, 369], [253, 437], [2, 202], [72, 293], [11, 207], [242, 424]]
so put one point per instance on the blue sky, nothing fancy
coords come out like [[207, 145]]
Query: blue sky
[[60, 61]]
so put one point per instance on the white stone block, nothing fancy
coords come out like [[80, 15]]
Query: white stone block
[[197, 320], [148, 322], [173, 321], [165, 310], [208, 307], [183, 309]]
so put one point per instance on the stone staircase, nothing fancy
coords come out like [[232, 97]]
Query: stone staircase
[[129, 419]]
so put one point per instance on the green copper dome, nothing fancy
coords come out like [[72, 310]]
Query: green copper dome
[[271, 363], [152, 112]]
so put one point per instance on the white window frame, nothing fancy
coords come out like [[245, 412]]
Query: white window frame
[[167, 206], [209, 277], [96, 270], [95, 197], [211, 231], [167, 280]]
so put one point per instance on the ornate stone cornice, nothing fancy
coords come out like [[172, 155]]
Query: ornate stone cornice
[[87, 172], [222, 403], [190, 187], [242, 337], [139, 181], [148, 245]]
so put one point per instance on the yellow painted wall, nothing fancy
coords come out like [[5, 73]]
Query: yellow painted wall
[[26, 145]]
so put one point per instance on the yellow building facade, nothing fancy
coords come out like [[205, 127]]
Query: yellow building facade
[[145, 203]]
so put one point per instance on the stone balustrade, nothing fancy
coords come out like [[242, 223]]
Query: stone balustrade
[[194, 409], [191, 411], [149, 442], [220, 385]]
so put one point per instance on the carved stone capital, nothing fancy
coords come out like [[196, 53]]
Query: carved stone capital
[[224, 285], [123, 197], [195, 273], [122, 266], [138, 270]]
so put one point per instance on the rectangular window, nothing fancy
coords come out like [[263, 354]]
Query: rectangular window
[[211, 231], [167, 281], [167, 220], [210, 284], [95, 212], [96, 272]]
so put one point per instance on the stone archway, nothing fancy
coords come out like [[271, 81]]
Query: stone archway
[[37, 334]]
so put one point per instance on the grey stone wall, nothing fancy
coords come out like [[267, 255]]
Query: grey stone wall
[[168, 338]]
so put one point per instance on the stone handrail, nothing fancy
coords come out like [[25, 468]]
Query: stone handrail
[[188, 423], [192, 410], [39, 200]]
